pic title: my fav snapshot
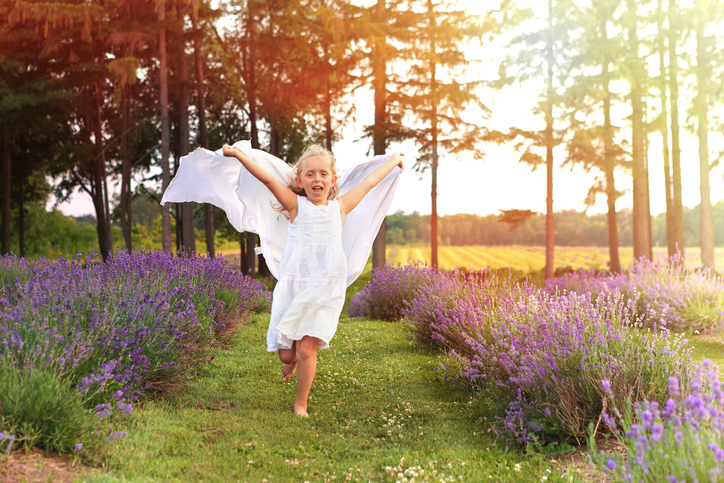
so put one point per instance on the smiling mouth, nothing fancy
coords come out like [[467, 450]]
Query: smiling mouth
[[318, 190]]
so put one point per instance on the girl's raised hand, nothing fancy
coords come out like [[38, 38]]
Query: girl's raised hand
[[228, 150], [398, 157]]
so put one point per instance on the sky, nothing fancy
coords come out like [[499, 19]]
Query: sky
[[500, 182]]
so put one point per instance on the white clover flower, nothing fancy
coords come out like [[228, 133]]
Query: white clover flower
[[517, 467]]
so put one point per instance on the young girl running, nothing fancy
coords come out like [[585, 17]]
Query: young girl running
[[316, 248]]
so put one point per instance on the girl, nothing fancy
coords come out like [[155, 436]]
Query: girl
[[312, 281], [318, 249]]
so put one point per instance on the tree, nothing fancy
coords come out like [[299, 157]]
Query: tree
[[165, 128], [201, 113], [382, 24], [677, 207], [704, 10], [438, 97], [541, 53], [592, 143], [636, 75]]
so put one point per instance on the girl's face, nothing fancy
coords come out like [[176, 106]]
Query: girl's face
[[317, 178]]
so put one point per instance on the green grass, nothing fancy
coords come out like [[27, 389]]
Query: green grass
[[235, 423], [708, 348]]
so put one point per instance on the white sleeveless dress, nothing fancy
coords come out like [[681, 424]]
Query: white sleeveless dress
[[309, 295]]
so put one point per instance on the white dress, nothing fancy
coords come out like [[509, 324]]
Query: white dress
[[209, 177], [309, 295]]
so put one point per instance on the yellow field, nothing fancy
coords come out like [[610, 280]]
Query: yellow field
[[527, 259]]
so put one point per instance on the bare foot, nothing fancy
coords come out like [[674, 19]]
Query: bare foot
[[288, 370], [300, 411]]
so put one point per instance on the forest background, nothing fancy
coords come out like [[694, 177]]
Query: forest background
[[120, 90]]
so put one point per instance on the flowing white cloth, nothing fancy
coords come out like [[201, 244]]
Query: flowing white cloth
[[210, 177]]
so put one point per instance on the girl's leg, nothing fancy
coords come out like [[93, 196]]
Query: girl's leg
[[307, 358], [289, 359]]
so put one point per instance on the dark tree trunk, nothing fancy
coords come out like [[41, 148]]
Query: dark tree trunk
[[434, 132], [203, 131], [677, 208], [21, 214], [328, 132], [251, 74], [550, 221], [100, 192], [165, 134], [379, 132], [188, 238], [609, 164], [6, 184], [251, 240], [126, 215]]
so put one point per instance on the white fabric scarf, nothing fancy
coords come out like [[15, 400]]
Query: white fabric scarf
[[210, 177]]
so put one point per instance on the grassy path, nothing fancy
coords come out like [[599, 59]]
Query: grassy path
[[375, 401]]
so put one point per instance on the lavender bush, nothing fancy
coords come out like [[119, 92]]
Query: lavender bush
[[679, 441], [115, 331], [389, 288], [542, 357], [684, 300]]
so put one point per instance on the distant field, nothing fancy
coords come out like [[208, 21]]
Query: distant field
[[527, 259]]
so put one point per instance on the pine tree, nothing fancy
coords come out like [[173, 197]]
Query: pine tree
[[592, 143], [437, 97], [541, 54]]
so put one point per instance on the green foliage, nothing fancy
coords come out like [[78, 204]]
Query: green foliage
[[51, 233], [39, 409]]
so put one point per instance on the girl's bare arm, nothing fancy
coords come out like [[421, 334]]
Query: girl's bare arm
[[349, 200], [281, 192]]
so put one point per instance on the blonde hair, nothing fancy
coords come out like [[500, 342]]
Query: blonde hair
[[309, 151]]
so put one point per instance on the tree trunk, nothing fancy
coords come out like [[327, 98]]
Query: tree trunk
[[21, 214], [641, 222], [701, 103], [126, 218], [609, 164], [677, 205], [203, 131], [662, 85], [251, 75], [251, 240], [434, 132], [165, 134], [550, 221], [100, 191], [188, 238], [328, 132], [379, 131], [6, 184]]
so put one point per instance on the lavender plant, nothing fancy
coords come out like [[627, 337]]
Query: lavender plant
[[541, 357], [679, 441], [389, 288], [116, 331], [685, 300]]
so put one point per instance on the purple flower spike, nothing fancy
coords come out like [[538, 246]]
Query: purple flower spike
[[79, 446], [611, 465]]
